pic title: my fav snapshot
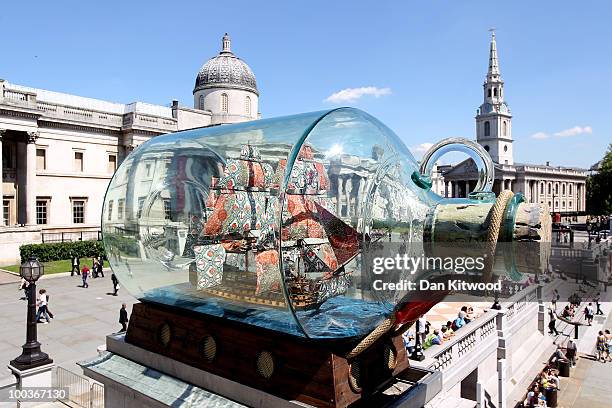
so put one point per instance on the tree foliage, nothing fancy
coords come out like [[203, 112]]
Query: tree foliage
[[599, 187]]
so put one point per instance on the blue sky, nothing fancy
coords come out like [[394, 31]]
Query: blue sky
[[429, 58]]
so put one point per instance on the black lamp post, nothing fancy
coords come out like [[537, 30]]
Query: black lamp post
[[31, 356]]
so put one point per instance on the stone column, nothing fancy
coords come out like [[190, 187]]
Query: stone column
[[2, 132], [348, 188], [541, 311], [360, 194], [339, 195], [30, 183]]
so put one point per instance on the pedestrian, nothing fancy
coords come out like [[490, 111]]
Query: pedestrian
[[48, 310], [421, 329], [94, 267], [84, 276], [552, 328], [556, 295], [76, 265], [115, 283], [602, 346], [42, 307], [123, 317], [609, 343], [101, 265], [588, 313], [24, 285], [571, 352], [598, 304]]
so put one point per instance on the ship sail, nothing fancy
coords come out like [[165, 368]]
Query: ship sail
[[237, 253]]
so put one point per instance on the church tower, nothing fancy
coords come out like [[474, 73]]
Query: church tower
[[493, 117]]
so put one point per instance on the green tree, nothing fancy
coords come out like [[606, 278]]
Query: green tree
[[599, 187]]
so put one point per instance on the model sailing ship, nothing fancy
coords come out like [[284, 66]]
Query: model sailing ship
[[236, 250]]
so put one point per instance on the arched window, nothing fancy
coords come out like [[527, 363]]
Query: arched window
[[489, 92], [549, 189], [556, 188], [542, 188], [505, 128], [505, 148], [563, 189], [570, 189], [494, 91], [487, 128], [224, 103], [201, 102], [247, 105], [486, 147]]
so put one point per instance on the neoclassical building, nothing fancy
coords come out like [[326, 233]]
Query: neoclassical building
[[563, 189], [59, 151]]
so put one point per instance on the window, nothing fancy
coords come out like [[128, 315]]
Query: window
[[112, 163], [486, 147], [110, 210], [78, 211], [549, 204], [78, 161], [505, 161], [120, 206], [6, 212], [549, 189], [505, 129], [494, 91], [563, 189], [140, 206], [41, 212], [41, 159], [201, 102], [556, 188], [224, 103], [571, 204], [148, 169], [487, 128], [505, 148], [542, 188], [562, 204], [489, 92], [167, 209], [570, 188], [247, 105]]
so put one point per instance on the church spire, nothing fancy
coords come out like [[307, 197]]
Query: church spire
[[493, 73]]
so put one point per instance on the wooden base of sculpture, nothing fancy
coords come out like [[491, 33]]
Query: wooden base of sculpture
[[283, 365]]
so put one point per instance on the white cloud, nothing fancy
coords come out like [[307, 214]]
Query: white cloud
[[420, 150], [540, 135], [353, 94], [576, 130]]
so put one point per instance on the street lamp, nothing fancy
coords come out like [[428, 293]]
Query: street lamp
[[31, 356]]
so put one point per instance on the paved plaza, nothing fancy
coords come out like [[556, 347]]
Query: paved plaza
[[83, 317]]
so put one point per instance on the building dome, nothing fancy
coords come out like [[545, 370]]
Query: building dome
[[226, 71]]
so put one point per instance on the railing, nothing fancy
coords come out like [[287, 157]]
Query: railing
[[78, 386], [48, 237], [16, 97], [467, 338], [97, 395], [58, 111], [481, 332], [81, 391]]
